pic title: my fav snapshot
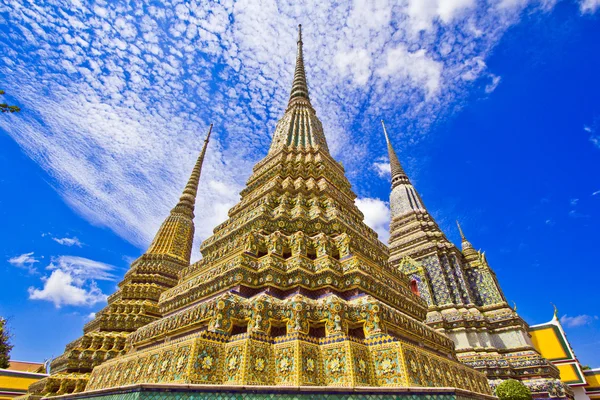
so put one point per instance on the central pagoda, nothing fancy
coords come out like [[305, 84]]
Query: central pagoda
[[293, 290]]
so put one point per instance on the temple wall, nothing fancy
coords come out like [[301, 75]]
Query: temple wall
[[465, 340], [511, 339]]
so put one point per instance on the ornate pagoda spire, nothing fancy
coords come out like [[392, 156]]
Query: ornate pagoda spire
[[398, 174], [404, 198], [135, 303], [176, 234], [299, 86], [299, 127], [465, 243], [187, 201], [467, 247]]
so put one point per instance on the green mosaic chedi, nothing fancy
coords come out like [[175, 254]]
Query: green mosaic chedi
[[463, 296]]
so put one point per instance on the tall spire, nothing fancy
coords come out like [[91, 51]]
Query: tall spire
[[467, 248], [299, 86], [187, 200], [299, 128], [176, 234], [465, 243], [398, 174]]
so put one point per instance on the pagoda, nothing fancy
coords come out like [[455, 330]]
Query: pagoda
[[294, 296], [463, 296], [134, 304]]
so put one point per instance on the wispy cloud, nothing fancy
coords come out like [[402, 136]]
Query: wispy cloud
[[589, 6], [494, 82], [116, 92], [377, 216], [382, 167], [597, 192], [72, 281], [25, 261], [574, 213], [593, 129], [66, 241], [579, 320]]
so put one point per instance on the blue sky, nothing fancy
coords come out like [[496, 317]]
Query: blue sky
[[492, 107]]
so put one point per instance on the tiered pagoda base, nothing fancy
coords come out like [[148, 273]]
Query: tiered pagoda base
[[267, 341], [209, 392]]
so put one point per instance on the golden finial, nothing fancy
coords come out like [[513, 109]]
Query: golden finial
[[514, 306], [555, 311]]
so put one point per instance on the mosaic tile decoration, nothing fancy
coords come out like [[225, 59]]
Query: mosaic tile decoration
[[166, 394]]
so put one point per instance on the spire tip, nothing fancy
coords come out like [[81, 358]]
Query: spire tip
[[387, 139], [462, 235], [209, 132]]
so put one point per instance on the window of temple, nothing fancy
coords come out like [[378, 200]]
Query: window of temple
[[239, 328], [278, 330], [357, 331], [414, 287], [316, 330], [311, 253], [335, 253], [262, 250], [287, 252]]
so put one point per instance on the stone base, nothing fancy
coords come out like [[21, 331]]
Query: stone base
[[222, 392]]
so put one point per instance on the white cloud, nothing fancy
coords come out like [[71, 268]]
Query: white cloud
[[25, 261], [589, 6], [73, 282], [596, 193], [91, 315], [593, 130], [355, 63], [382, 168], [66, 241], [573, 202], [423, 13], [415, 66], [574, 322], [490, 87], [377, 215]]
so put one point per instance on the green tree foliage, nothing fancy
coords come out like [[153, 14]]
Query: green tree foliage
[[511, 389], [6, 108], [5, 346]]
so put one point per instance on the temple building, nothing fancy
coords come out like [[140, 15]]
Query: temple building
[[15, 380], [294, 296], [464, 299], [552, 343]]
